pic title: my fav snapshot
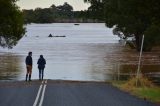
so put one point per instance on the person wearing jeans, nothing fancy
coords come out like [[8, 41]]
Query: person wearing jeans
[[41, 65]]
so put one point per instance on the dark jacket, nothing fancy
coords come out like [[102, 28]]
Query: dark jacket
[[41, 63], [29, 60]]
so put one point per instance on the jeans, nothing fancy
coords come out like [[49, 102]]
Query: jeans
[[41, 71]]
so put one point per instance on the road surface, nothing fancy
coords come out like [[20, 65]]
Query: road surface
[[65, 93]]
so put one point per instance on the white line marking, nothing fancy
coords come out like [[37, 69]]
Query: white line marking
[[36, 100], [41, 89], [46, 82], [42, 97]]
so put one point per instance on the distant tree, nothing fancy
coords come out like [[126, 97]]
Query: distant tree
[[29, 16], [11, 23], [43, 15], [54, 12], [81, 14], [53, 6], [65, 10], [96, 10]]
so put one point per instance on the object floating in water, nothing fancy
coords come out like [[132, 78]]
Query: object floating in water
[[50, 35], [76, 24]]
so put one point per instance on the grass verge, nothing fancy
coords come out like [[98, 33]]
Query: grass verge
[[146, 90]]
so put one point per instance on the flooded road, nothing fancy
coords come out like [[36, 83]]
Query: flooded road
[[88, 52]]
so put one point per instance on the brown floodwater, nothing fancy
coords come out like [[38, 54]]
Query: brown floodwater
[[89, 52]]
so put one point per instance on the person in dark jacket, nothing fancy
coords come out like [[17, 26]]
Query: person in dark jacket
[[29, 65], [41, 65]]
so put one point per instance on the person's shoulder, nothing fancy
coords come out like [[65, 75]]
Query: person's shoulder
[[29, 57]]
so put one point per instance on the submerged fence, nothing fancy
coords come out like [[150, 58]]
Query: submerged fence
[[125, 71]]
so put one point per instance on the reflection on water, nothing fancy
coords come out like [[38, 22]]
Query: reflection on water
[[66, 61], [88, 52], [10, 66]]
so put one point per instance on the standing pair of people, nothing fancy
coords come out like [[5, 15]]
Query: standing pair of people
[[41, 65]]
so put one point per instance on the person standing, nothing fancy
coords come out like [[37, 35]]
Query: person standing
[[41, 65], [29, 66]]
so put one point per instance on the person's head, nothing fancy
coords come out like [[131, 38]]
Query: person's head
[[30, 53], [41, 56]]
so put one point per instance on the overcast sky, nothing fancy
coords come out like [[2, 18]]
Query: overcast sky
[[32, 4]]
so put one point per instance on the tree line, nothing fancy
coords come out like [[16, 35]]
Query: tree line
[[61, 13]]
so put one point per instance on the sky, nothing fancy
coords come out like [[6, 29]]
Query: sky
[[32, 4]]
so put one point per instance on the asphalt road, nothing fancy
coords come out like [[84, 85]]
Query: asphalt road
[[65, 93]]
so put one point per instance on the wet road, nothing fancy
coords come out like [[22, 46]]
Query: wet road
[[60, 93]]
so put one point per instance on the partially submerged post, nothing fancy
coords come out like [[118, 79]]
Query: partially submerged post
[[139, 63]]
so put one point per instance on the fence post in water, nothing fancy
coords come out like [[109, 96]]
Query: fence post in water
[[118, 71], [115, 71], [139, 63]]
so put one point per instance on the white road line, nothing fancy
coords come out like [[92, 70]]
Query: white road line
[[39, 91], [42, 97], [38, 94], [46, 82], [43, 92]]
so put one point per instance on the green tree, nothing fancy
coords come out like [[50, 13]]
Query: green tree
[[11, 23], [134, 18]]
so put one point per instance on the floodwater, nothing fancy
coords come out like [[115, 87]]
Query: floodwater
[[88, 52]]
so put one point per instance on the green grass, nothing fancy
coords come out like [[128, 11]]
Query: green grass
[[152, 94], [149, 93]]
